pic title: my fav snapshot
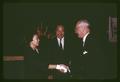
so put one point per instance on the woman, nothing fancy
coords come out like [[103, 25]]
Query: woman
[[35, 64]]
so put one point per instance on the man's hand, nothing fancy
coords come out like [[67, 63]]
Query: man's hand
[[63, 68]]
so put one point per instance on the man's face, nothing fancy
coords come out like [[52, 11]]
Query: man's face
[[36, 40], [60, 32], [80, 30]]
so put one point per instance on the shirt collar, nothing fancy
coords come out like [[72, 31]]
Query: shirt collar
[[61, 38], [84, 38]]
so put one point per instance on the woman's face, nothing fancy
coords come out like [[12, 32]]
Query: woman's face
[[36, 40]]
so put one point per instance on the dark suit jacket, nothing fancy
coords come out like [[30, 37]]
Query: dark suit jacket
[[89, 65], [58, 56], [36, 65]]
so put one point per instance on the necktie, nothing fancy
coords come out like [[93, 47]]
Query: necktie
[[60, 44]]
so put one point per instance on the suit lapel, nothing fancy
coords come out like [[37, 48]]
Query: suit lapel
[[85, 48]]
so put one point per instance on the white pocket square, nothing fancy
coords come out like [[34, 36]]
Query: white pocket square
[[85, 52]]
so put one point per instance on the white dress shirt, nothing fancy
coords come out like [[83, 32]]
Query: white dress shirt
[[84, 38], [62, 42]]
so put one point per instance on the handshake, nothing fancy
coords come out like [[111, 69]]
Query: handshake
[[61, 67]]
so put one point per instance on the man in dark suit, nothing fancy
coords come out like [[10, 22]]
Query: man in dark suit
[[87, 63], [59, 58]]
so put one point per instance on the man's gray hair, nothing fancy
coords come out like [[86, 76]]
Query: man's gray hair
[[83, 23]]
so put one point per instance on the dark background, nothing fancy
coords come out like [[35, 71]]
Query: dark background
[[21, 19]]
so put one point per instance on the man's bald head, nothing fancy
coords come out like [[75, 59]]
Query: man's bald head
[[60, 31]]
